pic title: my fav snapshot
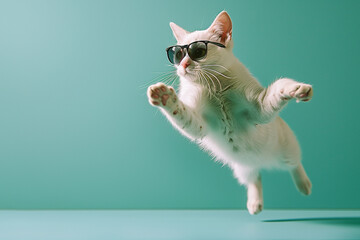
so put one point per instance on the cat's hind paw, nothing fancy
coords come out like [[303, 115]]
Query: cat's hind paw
[[304, 186], [254, 206], [300, 91], [161, 95]]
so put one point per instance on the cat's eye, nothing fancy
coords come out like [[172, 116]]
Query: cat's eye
[[196, 51]]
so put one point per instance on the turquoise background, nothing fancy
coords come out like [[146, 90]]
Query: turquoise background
[[76, 130]]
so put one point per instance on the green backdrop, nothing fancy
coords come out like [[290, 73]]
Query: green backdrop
[[76, 130]]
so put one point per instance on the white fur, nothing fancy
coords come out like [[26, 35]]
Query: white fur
[[229, 114]]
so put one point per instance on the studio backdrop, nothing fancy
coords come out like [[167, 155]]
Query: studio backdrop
[[77, 131]]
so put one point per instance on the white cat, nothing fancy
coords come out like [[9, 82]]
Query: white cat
[[223, 108]]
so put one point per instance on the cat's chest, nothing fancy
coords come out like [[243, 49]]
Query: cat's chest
[[227, 113]]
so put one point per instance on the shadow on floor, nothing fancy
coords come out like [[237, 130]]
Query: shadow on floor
[[344, 221]]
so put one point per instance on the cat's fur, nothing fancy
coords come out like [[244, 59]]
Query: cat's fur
[[223, 108]]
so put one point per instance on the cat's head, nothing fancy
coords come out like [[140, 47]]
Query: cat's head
[[216, 57]]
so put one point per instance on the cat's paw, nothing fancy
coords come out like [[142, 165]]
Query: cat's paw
[[304, 186], [254, 206], [161, 95], [299, 91]]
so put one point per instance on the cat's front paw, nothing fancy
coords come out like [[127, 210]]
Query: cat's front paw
[[161, 95], [299, 91]]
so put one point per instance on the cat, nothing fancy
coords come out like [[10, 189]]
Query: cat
[[224, 109]]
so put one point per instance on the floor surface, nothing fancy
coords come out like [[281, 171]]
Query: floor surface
[[178, 224]]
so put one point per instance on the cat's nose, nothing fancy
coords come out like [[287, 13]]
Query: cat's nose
[[185, 63]]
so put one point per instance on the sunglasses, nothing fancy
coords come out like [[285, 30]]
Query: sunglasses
[[196, 50]]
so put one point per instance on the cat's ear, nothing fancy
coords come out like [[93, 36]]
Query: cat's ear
[[179, 33], [222, 27]]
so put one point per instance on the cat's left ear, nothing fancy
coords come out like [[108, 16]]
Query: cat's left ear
[[222, 27]]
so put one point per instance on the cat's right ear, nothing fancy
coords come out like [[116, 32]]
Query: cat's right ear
[[179, 33]]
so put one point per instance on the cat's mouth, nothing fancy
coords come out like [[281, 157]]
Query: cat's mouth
[[181, 71]]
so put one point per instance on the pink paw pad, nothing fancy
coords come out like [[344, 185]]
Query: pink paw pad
[[162, 95], [164, 99], [154, 95]]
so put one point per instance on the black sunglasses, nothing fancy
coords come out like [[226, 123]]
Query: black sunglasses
[[197, 50]]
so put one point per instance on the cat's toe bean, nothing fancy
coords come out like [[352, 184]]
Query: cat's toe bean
[[164, 99], [154, 95]]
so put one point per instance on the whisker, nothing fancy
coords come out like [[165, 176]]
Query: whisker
[[162, 77], [207, 82], [174, 81], [209, 77], [199, 77], [215, 65], [147, 84], [165, 74], [217, 79], [167, 79], [157, 79], [209, 69]]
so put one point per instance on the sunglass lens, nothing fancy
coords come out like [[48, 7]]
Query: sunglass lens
[[197, 50], [175, 55]]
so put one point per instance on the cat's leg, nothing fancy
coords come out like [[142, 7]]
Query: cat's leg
[[301, 179], [291, 157], [277, 95], [185, 119], [252, 180], [255, 201]]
